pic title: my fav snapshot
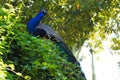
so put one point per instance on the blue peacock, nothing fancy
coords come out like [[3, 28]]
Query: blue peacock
[[36, 28]]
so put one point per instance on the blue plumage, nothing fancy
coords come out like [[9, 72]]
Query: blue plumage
[[34, 22]]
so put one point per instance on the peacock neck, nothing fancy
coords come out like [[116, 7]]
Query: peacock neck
[[32, 24]]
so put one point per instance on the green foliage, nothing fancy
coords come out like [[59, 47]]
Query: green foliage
[[78, 17], [75, 20], [105, 18], [116, 44], [24, 57], [65, 16]]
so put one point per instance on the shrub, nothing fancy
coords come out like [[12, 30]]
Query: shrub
[[23, 56]]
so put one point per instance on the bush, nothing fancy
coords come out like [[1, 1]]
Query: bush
[[24, 57]]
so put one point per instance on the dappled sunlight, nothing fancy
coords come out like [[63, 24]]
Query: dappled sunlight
[[105, 63]]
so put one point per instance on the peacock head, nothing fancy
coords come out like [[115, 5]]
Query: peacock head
[[43, 12]]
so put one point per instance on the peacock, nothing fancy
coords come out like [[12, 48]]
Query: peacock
[[35, 28]]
